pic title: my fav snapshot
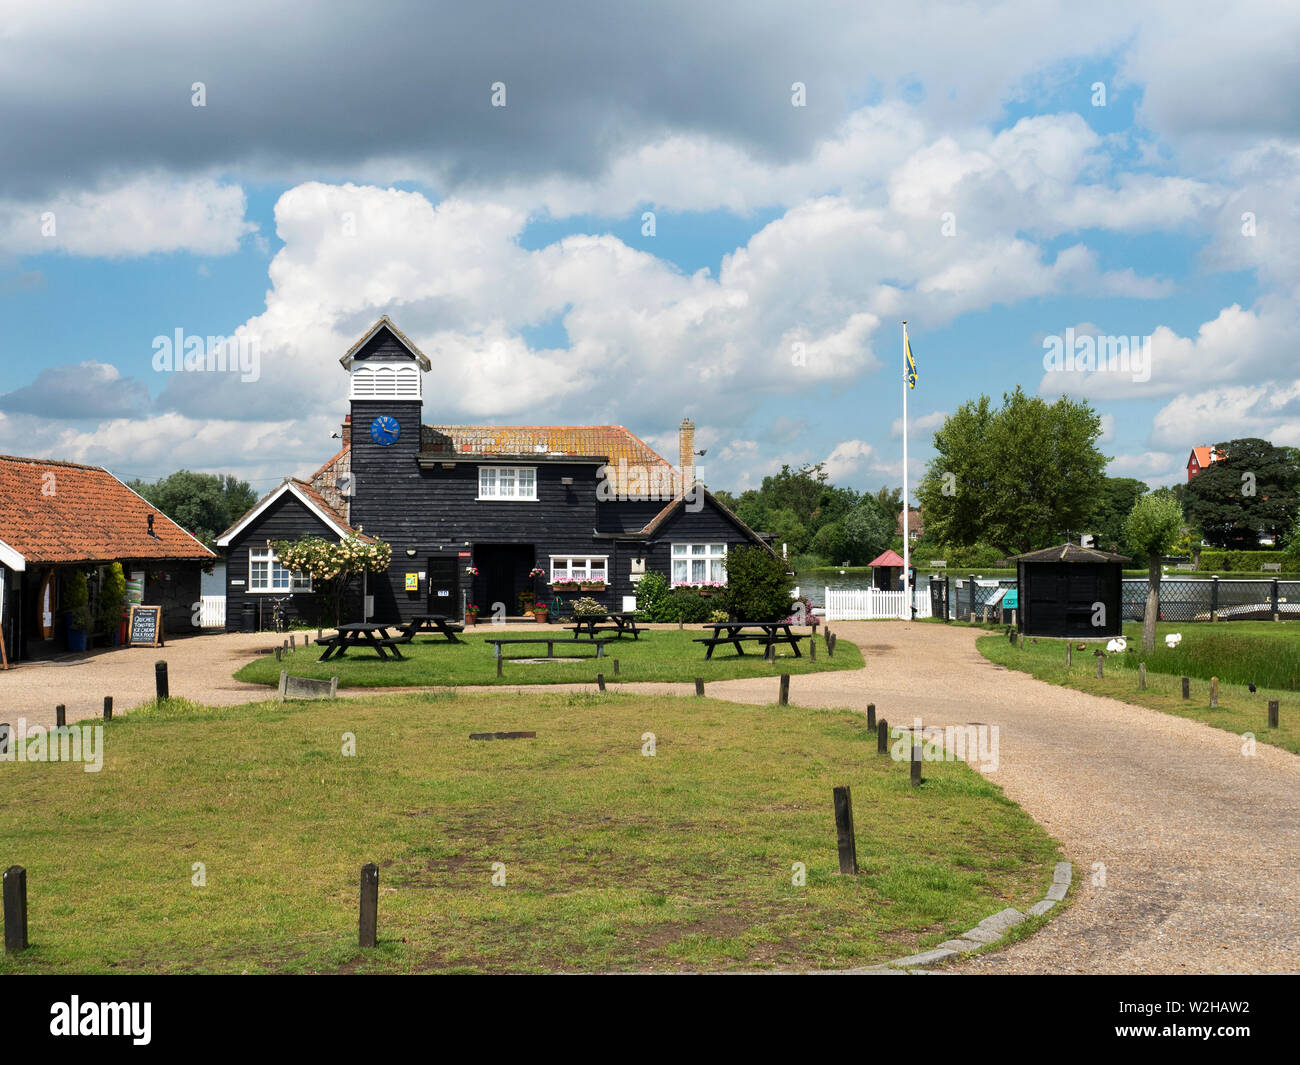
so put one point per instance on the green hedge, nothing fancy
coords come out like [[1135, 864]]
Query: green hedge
[[1215, 561]]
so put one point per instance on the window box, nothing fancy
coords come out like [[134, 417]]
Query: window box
[[568, 572], [592, 586], [564, 586]]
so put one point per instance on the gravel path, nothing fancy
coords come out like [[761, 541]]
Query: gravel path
[[1199, 844]]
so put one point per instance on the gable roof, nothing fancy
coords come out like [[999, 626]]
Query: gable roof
[[1203, 455], [887, 558], [634, 465], [54, 513], [1070, 553], [306, 494], [663, 516], [385, 323]]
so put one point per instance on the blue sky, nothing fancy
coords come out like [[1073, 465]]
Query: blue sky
[[973, 187]]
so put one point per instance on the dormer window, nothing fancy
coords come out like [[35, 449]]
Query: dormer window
[[385, 381]]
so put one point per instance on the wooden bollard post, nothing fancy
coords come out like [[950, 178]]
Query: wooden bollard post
[[1011, 636], [1100, 660], [60, 716], [1142, 676], [1272, 713], [1069, 655], [916, 760], [293, 643], [279, 653], [834, 643], [770, 653], [784, 697], [108, 708], [368, 927], [1187, 688], [871, 715], [1214, 693], [812, 648], [848, 845], [699, 685], [161, 686], [616, 667], [882, 736], [15, 909], [600, 681]]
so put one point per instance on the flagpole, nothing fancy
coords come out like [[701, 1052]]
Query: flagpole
[[907, 554]]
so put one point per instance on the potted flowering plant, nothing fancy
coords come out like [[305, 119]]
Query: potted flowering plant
[[471, 614], [471, 571], [541, 609]]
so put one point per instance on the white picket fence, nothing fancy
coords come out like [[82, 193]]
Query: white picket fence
[[868, 604], [212, 612]]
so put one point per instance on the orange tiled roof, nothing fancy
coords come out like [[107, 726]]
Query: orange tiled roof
[[62, 512], [1204, 456], [632, 460]]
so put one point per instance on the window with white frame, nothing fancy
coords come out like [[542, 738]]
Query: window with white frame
[[579, 568], [699, 564], [265, 574], [507, 482]]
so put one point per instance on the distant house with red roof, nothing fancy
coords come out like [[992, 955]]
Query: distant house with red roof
[[60, 517], [1200, 458], [483, 514]]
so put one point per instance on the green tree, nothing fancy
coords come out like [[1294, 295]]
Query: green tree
[[1249, 491], [1019, 477], [1152, 527], [203, 504], [831, 544], [1110, 512], [758, 586], [866, 532]]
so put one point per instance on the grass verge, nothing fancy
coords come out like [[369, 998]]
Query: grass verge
[[661, 654], [1239, 710], [613, 860]]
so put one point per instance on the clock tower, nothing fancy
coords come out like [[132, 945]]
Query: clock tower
[[386, 393]]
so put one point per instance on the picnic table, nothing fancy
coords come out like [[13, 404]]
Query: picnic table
[[619, 622], [439, 623], [361, 634], [768, 633]]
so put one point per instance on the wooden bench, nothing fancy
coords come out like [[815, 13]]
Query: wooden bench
[[1271, 567], [551, 641]]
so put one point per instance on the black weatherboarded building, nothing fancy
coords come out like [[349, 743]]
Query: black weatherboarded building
[[593, 505], [1070, 591]]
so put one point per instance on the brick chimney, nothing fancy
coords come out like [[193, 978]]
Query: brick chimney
[[686, 452], [345, 436]]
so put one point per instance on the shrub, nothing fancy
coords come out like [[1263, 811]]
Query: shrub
[[652, 596], [758, 587], [719, 616], [586, 605], [1215, 561], [76, 601], [112, 598], [691, 607]]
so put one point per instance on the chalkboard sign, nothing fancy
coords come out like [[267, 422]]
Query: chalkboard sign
[[145, 628]]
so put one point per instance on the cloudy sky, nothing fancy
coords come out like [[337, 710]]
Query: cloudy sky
[[719, 210]]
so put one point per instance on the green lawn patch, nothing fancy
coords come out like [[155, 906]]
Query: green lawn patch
[[613, 860], [1241, 652], [660, 654]]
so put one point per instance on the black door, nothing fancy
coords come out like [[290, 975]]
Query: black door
[[444, 586], [503, 574]]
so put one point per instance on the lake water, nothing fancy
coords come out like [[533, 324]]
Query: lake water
[[814, 585]]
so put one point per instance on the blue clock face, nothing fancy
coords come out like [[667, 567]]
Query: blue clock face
[[384, 431]]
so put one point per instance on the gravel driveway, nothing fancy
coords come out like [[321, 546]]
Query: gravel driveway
[[1186, 851]]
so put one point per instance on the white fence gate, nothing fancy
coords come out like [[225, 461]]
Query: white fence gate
[[212, 612], [868, 604]]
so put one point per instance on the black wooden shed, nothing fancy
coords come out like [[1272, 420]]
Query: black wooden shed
[[1070, 591]]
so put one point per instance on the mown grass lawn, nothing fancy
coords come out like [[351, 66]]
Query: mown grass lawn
[[1240, 652], [613, 860], [660, 654]]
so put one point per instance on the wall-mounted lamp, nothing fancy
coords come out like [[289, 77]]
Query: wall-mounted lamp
[[410, 552], [566, 480]]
